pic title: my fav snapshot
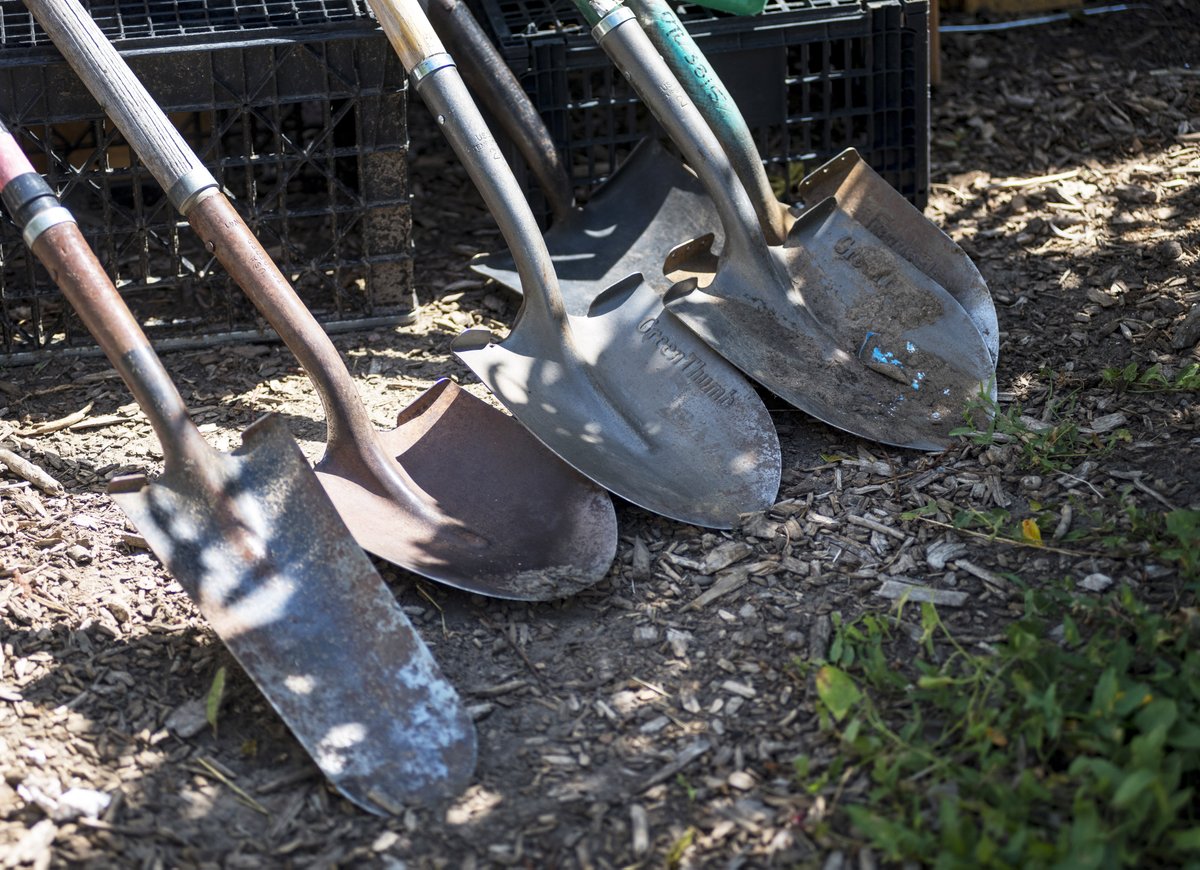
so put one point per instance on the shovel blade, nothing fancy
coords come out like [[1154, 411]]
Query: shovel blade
[[505, 517], [255, 542], [639, 405], [841, 327], [629, 226], [863, 195]]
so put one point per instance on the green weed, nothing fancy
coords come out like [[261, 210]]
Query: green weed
[[1152, 380], [1074, 742]]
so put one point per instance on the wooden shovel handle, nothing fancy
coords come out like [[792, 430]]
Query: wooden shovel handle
[[118, 91], [408, 30]]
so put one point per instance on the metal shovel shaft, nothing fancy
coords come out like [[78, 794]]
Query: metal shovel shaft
[[489, 76]]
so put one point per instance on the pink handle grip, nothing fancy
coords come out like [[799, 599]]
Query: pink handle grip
[[13, 161]]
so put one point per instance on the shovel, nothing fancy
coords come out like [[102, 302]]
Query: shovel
[[258, 546], [622, 392], [860, 191], [458, 492], [832, 321], [604, 241]]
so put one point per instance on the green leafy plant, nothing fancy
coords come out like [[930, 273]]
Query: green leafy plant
[[1173, 537], [1052, 448], [216, 695], [1153, 379], [1074, 742]]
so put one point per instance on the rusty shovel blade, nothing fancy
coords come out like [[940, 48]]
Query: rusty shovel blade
[[255, 542], [511, 520]]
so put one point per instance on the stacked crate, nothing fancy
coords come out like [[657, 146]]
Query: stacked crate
[[298, 109]]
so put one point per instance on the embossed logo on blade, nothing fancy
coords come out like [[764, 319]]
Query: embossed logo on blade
[[689, 363]]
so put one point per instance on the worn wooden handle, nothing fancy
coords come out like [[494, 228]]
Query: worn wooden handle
[[407, 29], [117, 89]]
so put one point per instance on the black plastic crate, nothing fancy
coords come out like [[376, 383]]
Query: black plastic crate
[[298, 109], [812, 77]]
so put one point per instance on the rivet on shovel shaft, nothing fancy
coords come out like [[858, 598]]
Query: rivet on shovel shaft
[[257, 545]]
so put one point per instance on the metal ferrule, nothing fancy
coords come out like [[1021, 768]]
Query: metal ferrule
[[429, 66], [185, 193], [611, 22], [42, 221]]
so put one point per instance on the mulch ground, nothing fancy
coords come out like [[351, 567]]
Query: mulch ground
[[648, 719]]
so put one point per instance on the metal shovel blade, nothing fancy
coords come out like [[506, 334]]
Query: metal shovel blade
[[645, 409], [254, 541], [650, 204], [520, 525], [860, 339], [863, 194]]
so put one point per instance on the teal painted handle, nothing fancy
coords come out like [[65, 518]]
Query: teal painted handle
[[593, 10], [720, 112], [734, 7]]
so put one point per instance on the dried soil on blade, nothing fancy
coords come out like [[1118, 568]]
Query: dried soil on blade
[[665, 699]]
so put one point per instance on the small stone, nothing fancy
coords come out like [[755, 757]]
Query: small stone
[[645, 635], [188, 719], [1134, 194], [79, 555], [86, 802], [736, 688], [640, 822], [1096, 582], [1187, 333], [385, 841], [1170, 250], [741, 780], [678, 641]]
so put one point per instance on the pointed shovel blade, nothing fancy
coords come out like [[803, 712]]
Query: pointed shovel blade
[[841, 327], [255, 542], [638, 404], [862, 194]]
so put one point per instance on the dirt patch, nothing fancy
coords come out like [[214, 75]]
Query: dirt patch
[[658, 714]]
